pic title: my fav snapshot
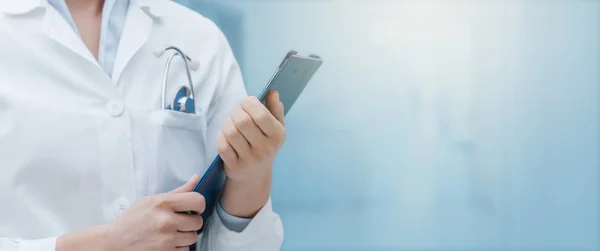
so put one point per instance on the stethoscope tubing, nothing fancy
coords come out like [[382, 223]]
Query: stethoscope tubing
[[185, 58]]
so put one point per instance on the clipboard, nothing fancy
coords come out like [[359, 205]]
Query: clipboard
[[290, 79]]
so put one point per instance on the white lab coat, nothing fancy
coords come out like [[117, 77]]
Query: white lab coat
[[77, 148]]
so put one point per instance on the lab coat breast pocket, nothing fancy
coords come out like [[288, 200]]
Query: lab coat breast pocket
[[177, 145]]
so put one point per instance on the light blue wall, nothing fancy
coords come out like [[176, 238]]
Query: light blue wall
[[432, 125]]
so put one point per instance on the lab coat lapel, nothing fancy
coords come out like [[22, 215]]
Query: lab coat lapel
[[19, 7], [57, 28], [138, 26]]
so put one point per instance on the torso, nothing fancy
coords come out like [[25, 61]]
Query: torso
[[77, 147]]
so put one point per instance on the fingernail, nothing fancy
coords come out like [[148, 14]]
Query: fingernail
[[193, 177]]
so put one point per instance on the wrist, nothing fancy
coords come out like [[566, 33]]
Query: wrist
[[93, 239], [109, 238], [244, 198]]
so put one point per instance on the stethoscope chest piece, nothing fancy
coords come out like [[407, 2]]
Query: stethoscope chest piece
[[183, 101]]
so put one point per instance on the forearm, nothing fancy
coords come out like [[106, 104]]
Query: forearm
[[245, 198], [90, 239]]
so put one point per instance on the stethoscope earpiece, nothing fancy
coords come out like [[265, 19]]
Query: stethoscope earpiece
[[194, 65], [159, 53]]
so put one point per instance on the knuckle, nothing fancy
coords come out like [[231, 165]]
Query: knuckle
[[159, 201], [246, 119], [262, 116], [199, 222], [223, 148], [230, 133], [282, 134], [243, 120], [165, 223], [248, 101], [222, 144], [200, 201], [228, 123], [166, 241], [254, 99], [191, 238]]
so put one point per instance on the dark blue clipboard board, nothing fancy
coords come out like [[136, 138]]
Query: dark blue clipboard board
[[300, 70]]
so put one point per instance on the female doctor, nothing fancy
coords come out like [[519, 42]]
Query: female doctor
[[90, 160]]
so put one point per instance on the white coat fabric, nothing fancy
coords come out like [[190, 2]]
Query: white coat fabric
[[77, 148]]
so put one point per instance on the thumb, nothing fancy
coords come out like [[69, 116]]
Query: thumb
[[189, 185], [275, 106]]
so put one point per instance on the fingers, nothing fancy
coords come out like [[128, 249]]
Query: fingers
[[236, 139], [184, 202], [262, 117], [226, 151], [245, 124], [253, 133], [185, 239], [188, 222], [189, 185], [179, 222], [275, 106]]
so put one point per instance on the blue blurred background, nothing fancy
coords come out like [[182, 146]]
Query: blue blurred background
[[432, 125]]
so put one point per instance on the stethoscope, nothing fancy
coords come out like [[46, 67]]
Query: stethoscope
[[184, 98]]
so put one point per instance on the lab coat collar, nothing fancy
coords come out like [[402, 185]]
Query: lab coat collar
[[21, 6], [141, 17], [16, 7], [152, 8]]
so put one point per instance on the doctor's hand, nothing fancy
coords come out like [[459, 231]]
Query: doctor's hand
[[248, 144], [155, 223]]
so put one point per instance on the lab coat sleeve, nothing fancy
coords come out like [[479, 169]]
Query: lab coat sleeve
[[234, 223], [265, 230], [48, 244], [264, 233]]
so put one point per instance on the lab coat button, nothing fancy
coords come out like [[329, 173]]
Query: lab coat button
[[115, 108], [120, 206]]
